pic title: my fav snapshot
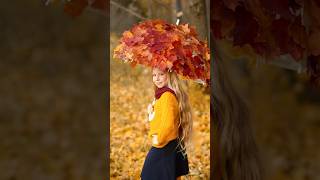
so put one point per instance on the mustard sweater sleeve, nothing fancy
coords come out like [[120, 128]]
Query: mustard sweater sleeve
[[168, 129]]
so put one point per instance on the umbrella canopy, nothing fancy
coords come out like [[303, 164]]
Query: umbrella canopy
[[156, 43]]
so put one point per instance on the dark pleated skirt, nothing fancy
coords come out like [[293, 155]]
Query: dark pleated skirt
[[165, 163]]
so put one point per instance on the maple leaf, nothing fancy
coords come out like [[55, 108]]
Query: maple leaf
[[269, 27], [127, 34], [169, 64], [185, 28], [155, 43]]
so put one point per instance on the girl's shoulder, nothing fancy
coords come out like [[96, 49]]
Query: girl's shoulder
[[168, 96]]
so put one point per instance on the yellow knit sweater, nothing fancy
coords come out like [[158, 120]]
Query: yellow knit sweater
[[165, 121]]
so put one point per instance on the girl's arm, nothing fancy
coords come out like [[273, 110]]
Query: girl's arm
[[169, 112]]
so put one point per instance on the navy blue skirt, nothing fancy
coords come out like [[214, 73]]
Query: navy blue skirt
[[166, 163]]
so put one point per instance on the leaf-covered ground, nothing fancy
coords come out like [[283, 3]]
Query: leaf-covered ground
[[130, 92]]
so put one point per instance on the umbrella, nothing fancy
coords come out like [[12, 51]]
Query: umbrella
[[156, 43]]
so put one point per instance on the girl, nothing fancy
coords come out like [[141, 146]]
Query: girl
[[170, 129]]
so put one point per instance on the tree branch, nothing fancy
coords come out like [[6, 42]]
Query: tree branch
[[128, 10]]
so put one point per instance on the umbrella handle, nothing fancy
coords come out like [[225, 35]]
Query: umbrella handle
[[178, 21], [179, 11]]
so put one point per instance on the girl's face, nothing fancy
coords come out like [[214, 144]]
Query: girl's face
[[159, 77]]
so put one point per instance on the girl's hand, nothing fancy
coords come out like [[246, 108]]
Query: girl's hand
[[150, 108], [155, 139], [151, 116]]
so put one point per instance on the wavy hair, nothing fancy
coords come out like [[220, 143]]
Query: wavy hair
[[235, 153], [185, 112]]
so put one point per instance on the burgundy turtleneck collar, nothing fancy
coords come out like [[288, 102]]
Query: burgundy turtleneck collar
[[160, 91]]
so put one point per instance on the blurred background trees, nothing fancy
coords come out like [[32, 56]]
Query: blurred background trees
[[53, 92], [271, 51], [53, 89]]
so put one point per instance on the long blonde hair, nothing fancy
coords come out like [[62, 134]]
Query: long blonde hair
[[235, 153], [185, 113]]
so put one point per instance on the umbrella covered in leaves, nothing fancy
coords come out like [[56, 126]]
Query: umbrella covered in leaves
[[156, 43]]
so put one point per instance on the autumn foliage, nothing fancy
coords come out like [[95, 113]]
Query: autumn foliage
[[156, 43], [271, 28]]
